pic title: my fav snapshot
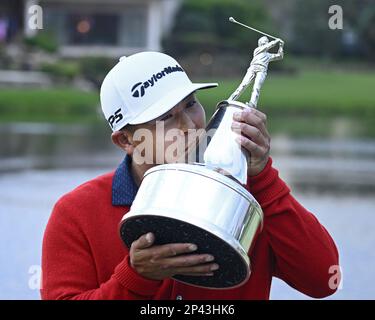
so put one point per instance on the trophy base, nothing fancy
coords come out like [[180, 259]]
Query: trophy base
[[233, 269], [185, 203]]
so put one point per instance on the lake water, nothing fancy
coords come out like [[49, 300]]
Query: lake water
[[335, 179]]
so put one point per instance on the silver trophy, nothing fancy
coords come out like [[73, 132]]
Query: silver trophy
[[203, 199]]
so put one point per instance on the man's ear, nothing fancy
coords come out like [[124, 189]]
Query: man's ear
[[123, 140]]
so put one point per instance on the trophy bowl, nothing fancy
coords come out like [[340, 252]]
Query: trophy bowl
[[189, 203]]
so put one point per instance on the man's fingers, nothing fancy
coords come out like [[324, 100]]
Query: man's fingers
[[172, 249], [254, 118], [158, 252], [252, 111], [250, 146], [186, 260], [210, 274], [198, 270], [249, 131], [260, 115], [144, 241]]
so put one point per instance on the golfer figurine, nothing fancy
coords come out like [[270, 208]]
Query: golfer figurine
[[257, 71]]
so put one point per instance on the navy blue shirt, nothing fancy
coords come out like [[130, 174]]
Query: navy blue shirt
[[124, 188]]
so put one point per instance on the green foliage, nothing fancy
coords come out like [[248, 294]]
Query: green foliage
[[313, 103], [311, 34], [96, 68], [62, 69], [47, 105], [309, 93], [203, 26], [366, 29], [310, 103], [93, 69], [5, 60], [43, 40]]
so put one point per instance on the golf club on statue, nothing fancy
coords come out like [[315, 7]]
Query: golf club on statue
[[231, 19]]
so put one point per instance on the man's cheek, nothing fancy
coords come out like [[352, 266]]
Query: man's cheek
[[174, 148]]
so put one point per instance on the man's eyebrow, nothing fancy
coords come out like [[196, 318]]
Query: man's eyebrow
[[191, 95]]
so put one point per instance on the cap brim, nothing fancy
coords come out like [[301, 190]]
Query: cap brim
[[169, 101]]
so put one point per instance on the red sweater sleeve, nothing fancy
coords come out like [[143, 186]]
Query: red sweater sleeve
[[303, 250], [68, 268]]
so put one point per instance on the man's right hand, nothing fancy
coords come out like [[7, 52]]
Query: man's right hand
[[158, 262]]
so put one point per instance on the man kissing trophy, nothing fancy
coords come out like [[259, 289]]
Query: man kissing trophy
[[204, 200]]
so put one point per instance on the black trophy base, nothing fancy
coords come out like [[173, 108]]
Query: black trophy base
[[232, 267]]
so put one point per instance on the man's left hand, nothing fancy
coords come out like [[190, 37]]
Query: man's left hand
[[254, 138]]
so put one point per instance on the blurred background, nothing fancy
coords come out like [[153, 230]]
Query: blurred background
[[320, 102]]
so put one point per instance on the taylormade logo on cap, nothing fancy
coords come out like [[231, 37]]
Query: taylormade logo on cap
[[139, 88], [142, 87]]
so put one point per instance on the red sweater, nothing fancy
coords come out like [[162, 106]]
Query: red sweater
[[84, 257]]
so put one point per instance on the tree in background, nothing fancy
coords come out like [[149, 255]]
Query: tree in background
[[312, 36], [203, 26], [366, 30]]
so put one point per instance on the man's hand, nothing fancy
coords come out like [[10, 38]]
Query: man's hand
[[158, 262], [254, 137]]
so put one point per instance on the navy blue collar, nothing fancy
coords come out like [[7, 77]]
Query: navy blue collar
[[124, 188]]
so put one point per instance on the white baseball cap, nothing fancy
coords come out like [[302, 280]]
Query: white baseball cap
[[142, 87]]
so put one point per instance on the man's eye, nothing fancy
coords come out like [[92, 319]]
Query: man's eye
[[190, 104]]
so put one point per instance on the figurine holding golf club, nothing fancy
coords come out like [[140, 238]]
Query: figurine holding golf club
[[257, 71]]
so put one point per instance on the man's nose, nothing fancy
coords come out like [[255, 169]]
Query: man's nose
[[185, 122]]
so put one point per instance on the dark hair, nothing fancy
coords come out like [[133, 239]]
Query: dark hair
[[128, 127]]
